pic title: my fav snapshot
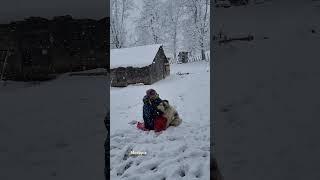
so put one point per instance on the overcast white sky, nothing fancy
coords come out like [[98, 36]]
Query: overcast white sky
[[19, 9]]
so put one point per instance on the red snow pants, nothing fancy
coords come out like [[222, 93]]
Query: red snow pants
[[160, 123]]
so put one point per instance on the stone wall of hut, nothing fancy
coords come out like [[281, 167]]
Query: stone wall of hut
[[138, 75], [121, 77]]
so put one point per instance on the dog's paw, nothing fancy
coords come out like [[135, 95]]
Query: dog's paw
[[176, 122]]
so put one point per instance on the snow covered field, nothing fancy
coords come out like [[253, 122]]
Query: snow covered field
[[271, 128], [181, 152], [53, 130]]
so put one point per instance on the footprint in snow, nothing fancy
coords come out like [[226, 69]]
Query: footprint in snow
[[133, 122], [183, 148], [126, 153], [171, 138], [182, 173]]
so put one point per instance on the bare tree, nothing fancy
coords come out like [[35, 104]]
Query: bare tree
[[197, 26], [176, 24], [173, 12], [149, 25], [204, 28], [119, 14]]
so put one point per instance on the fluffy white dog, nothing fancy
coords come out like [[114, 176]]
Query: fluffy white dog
[[170, 113]]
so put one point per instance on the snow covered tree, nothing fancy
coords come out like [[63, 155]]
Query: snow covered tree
[[119, 13], [178, 24], [197, 27], [149, 25], [173, 14]]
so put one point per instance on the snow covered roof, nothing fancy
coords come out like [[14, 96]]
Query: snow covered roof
[[139, 56]]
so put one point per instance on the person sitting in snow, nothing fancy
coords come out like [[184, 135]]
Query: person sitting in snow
[[150, 112]]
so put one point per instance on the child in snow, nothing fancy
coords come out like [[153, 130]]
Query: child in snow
[[150, 112]]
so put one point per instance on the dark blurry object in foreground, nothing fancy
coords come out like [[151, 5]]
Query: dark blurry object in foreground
[[215, 171], [39, 49], [107, 147]]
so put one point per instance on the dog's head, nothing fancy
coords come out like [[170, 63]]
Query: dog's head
[[164, 105]]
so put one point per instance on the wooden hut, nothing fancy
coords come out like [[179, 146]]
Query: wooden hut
[[143, 64]]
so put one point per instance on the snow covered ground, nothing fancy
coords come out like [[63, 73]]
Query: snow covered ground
[[270, 88], [53, 130], [179, 152]]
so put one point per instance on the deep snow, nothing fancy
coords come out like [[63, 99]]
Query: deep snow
[[179, 152]]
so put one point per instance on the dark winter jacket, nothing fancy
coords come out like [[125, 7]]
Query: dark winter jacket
[[150, 111]]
